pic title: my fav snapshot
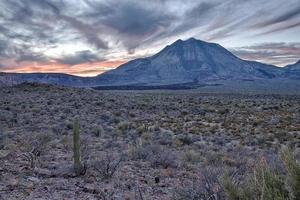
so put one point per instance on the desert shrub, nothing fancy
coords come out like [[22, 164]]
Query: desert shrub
[[3, 142], [185, 139], [261, 183], [156, 155], [124, 126], [204, 185], [147, 136], [34, 148], [98, 130], [213, 158], [69, 125], [232, 191], [184, 112], [293, 172], [132, 115], [5, 115], [164, 138], [164, 159], [144, 151], [191, 156], [107, 165], [141, 129], [192, 191], [153, 128]]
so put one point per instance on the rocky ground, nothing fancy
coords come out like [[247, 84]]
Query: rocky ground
[[138, 145]]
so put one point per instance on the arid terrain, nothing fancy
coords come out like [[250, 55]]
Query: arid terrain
[[145, 144]]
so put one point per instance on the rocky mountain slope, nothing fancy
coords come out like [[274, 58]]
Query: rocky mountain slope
[[186, 62], [292, 71]]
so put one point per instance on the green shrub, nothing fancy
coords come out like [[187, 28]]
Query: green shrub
[[263, 183], [293, 173], [191, 156], [233, 191], [267, 184], [98, 131]]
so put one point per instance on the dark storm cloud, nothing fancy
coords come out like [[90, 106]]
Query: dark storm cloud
[[89, 32], [195, 16], [134, 19], [80, 57], [131, 22], [276, 53], [39, 17]]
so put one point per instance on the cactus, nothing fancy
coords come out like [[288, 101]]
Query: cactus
[[76, 148]]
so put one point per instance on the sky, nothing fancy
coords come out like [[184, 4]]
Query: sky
[[89, 37]]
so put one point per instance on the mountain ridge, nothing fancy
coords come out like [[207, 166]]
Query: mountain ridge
[[182, 62]]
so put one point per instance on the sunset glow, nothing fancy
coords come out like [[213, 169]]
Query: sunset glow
[[84, 69]]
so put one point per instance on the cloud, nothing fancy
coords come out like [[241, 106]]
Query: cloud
[[40, 17], [88, 31], [80, 57], [281, 27], [288, 15], [131, 22], [78, 31], [20, 53], [282, 18], [280, 53]]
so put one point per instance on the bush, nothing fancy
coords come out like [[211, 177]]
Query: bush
[[293, 172], [185, 139], [165, 159], [107, 165], [204, 185], [262, 183], [98, 131], [192, 157], [156, 155], [124, 126]]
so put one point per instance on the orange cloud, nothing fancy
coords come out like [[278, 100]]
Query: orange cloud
[[84, 69]]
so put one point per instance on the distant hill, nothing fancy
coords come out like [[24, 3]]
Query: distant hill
[[48, 78]]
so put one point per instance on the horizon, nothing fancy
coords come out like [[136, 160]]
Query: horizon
[[86, 38]]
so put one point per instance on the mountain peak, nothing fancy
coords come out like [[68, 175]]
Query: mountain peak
[[192, 39], [189, 40], [194, 42]]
